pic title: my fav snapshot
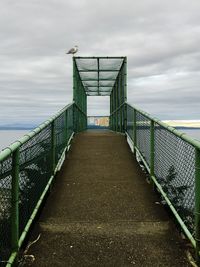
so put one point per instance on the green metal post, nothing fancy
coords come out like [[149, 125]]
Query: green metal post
[[98, 73], [152, 129], [197, 203], [112, 120], [53, 147], [134, 129], [15, 201], [115, 112], [125, 92], [74, 96], [152, 150], [110, 110], [119, 102], [66, 127]]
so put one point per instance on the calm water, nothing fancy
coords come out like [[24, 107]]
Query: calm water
[[195, 133], [8, 137]]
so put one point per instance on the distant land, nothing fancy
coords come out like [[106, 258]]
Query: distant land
[[192, 124], [17, 126], [179, 124]]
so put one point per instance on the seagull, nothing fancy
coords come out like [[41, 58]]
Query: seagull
[[73, 50]]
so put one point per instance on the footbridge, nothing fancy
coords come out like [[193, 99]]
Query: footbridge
[[125, 196]]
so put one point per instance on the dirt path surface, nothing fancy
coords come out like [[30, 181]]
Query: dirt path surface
[[102, 212]]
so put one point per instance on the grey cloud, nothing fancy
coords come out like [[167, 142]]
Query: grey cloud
[[160, 38]]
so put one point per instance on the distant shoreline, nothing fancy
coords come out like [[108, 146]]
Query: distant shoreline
[[89, 126], [186, 128], [16, 128]]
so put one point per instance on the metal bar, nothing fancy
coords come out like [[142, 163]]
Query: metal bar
[[106, 70], [152, 144], [80, 109], [66, 126], [125, 90], [100, 94], [125, 79], [99, 57], [96, 86], [134, 129], [105, 93], [95, 80], [98, 73], [116, 101], [117, 108], [197, 203], [53, 147], [74, 80], [119, 72], [15, 201]]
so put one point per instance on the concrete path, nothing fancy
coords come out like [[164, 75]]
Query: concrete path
[[102, 212]]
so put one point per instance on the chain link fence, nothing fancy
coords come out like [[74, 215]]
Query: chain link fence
[[39, 154], [5, 207], [171, 158], [175, 171]]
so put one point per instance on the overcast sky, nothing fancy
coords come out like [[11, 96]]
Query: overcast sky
[[160, 38]]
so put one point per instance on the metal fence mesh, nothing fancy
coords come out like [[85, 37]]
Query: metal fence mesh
[[5, 208], [130, 121], [70, 126], [174, 163], [143, 136], [175, 171], [35, 170], [60, 132]]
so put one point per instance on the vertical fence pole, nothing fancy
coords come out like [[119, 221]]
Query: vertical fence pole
[[66, 127], [152, 148], [125, 117], [53, 147], [125, 91], [15, 201], [134, 130], [197, 203]]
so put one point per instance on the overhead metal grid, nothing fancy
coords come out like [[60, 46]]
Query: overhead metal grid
[[98, 74]]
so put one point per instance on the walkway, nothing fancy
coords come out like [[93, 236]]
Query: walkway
[[102, 212]]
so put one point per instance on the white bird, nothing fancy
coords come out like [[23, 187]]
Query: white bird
[[73, 50]]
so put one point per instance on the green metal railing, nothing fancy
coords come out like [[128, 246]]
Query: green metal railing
[[27, 169], [118, 98], [80, 101], [28, 166], [173, 161]]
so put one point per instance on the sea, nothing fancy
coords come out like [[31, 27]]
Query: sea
[[9, 136]]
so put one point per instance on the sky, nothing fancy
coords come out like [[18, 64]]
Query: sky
[[160, 38]]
